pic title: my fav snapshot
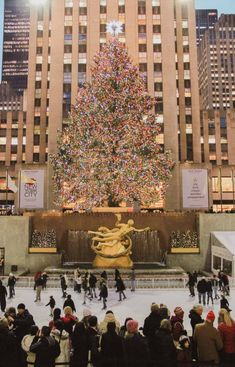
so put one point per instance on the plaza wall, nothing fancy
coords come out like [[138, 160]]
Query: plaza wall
[[207, 223]]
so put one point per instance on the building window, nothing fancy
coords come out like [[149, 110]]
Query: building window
[[141, 7], [156, 10], [143, 67], [67, 49], [68, 30], [103, 9], [38, 67], [36, 120], [39, 51], [68, 11], [121, 9], [143, 48], [156, 28], [83, 10], [36, 139], [81, 68], [158, 87], [38, 84], [36, 157], [67, 68], [37, 102], [82, 49], [142, 28], [157, 47], [157, 67]]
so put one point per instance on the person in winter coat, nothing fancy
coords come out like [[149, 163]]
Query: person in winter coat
[[69, 302], [22, 322], [123, 329], [111, 347], [164, 350], [94, 341], [209, 291], [26, 344], [177, 324], [51, 303], [164, 312], [224, 303], [56, 316], [196, 316], [120, 288], [86, 315], [226, 329], [202, 288], [63, 285], [39, 284], [109, 317], [103, 294], [136, 352], [80, 344], [8, 346], [46, 349], [69, 320], [184, 352], [11, 284], [92, 285], [3, 295], [62, 338], [151, 325], [215, 286], [208, 340], [191, 284]]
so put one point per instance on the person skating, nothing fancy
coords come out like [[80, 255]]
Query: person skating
[[39, 284], [51, 303], [224, 303], [132, 279], [201, 288], [69, 302], [92, 285], [3, 295], [11, 284], [191, 284], [120, 288], [103, 294], [63, 285], [44, 278], [215, 286], [85, 287], [209, 291]]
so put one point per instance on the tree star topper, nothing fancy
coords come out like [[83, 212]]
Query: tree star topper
[[114, 28]]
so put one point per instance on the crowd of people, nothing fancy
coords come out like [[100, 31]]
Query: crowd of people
[[161, 341]]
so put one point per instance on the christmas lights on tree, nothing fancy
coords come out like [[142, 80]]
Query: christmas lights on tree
[[109, 148]]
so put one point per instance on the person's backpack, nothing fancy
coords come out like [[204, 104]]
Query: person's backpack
[[54, 348]]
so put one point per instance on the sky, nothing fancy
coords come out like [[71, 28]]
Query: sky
[[224, 6]]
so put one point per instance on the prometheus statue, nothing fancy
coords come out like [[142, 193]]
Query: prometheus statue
[[113, 247]]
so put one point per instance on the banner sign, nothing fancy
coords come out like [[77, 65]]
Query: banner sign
[[195, 188], [32, 189]]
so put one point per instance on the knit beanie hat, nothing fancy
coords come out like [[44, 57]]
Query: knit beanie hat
[[132, 326], [210, 316], [183, 339], [178, 311]]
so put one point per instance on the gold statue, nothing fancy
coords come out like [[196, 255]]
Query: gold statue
[[113, 246]]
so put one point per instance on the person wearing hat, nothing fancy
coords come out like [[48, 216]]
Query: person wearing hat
[[177, 324], [208, 340], [184, 352], [136, 351], [151, 325]]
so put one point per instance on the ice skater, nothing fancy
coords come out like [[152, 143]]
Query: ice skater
[[103, 294], [85, 288], [11, 284], [132, 279], [63, 285], [120, 288], [92, 285], [51, 303]]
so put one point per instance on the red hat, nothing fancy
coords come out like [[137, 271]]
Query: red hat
[[178, 311], [210, 316], [132, 326]]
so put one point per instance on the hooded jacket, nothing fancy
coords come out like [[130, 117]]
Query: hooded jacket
[[63, 340], [25, 345]]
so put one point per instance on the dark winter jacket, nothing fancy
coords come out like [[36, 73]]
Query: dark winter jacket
[[8, 348], [11, 281], [39, 282], [177, 327], [23, 323], [111, 350], [151, 325], [164, 348], [103, 291], [80, 343], [184, 357], [201, 286], [93, 342], [3, 292], [195, 318], [70, 303], [45, 349], [136, 352], [51, 303], [209, 286], [120, 285], [92, 280]]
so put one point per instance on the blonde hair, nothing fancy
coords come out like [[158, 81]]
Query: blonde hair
[[68, 310], [165, 324], [225, 317]]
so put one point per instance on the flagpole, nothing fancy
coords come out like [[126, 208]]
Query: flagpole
[[6, 188]]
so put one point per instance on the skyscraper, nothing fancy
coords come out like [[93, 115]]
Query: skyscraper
[[15, 44], [216, 60], [205, 19]]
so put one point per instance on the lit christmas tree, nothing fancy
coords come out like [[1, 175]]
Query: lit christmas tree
[[109, 148]]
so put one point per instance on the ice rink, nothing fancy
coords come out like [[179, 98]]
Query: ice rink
[[137, 304]]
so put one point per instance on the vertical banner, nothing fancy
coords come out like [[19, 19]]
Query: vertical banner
[[195, 188], [32, 189]]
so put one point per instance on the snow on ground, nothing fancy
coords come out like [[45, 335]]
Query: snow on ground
[[137, 305]]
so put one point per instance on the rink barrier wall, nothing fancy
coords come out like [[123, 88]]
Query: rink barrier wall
[[143, 283]]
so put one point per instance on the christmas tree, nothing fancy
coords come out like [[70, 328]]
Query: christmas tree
[[109, 148]]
